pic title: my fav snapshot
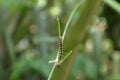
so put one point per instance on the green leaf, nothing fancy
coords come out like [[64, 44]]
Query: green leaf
[[17, 68], [113, 4], [40, 66]]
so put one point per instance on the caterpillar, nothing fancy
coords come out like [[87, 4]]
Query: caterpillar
[[60, 44], [60, 47]]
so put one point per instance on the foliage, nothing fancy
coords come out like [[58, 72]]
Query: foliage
[[28, 38]]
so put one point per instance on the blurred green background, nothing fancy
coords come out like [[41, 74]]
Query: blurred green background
[[29, 39]]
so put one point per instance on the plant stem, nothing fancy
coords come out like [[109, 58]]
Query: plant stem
[[70, 18], [50, 75], [65, 57], [59, 31]]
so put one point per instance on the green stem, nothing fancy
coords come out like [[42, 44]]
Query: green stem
[[50, 75], [59, 30], [71, 15], [65, 57]]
